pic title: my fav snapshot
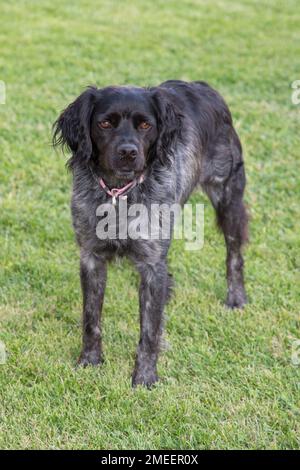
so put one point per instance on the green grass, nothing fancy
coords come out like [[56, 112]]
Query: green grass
[[227, 379]]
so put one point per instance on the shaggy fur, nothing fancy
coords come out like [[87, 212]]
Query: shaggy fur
[[188, 140]]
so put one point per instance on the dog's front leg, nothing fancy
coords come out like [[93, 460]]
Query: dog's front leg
[[153, 296], [93, 280]]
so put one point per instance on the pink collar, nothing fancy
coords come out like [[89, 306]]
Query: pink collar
[[121, 192]]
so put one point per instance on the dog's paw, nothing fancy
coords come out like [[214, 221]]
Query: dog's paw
[[236, 299], [144, 378], [90, 358]]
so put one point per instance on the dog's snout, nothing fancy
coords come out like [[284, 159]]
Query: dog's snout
[[128, 151]]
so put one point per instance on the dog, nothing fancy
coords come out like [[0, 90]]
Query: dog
[[152, 145]]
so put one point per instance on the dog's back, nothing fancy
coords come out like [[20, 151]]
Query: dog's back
[[210, 149]]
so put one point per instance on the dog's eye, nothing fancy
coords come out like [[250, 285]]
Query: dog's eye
[[144, 125], [105, 124]]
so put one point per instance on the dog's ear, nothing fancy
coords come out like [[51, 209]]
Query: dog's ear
[[72, 128], [169, 120]]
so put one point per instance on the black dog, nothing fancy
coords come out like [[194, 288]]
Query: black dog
[[155, 145]]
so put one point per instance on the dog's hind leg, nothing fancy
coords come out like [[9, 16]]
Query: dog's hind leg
[[227, 199]]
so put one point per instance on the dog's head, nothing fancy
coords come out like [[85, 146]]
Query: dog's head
[[120, 129]]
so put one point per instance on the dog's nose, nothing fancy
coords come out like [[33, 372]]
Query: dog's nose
[[128, 151]]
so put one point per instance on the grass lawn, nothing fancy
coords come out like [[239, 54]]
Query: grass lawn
[[227, 379]]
